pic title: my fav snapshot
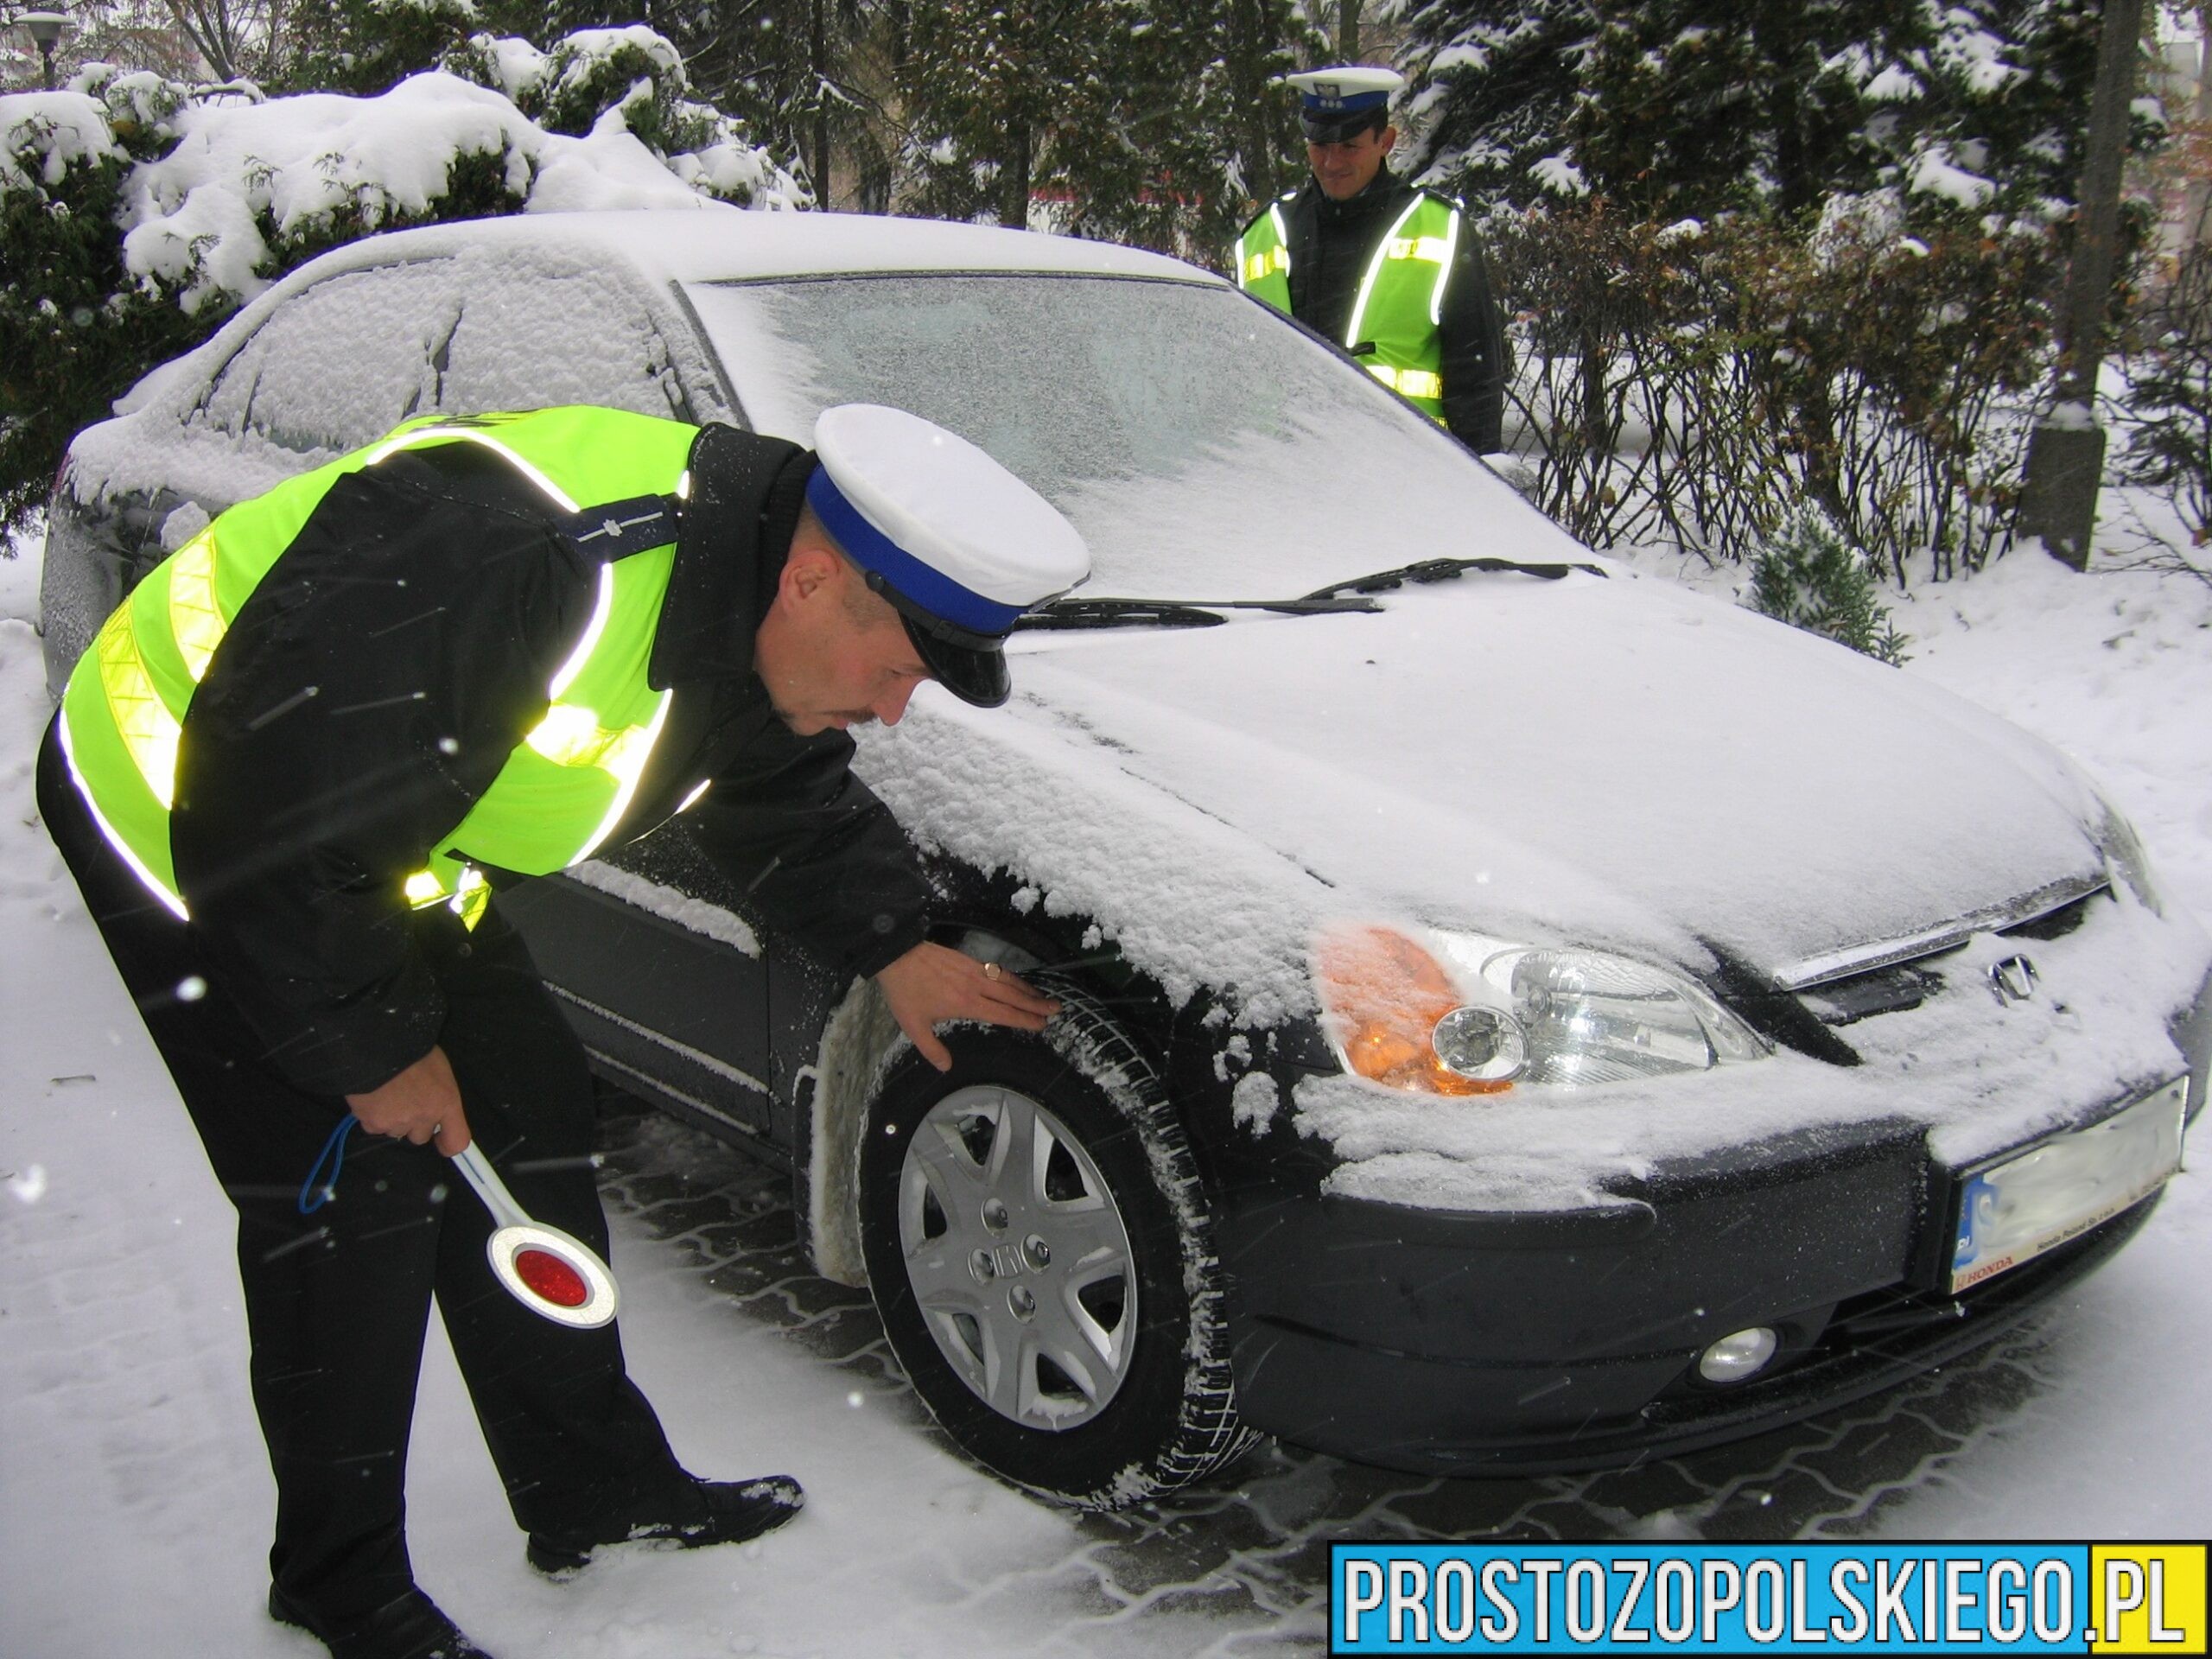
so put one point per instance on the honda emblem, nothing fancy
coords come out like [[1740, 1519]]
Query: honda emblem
[[2013, 979]]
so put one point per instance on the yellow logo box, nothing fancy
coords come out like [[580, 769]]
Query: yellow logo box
[[2147, 1599]]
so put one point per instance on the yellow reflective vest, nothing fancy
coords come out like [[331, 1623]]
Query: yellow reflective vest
[[561, 791], [1399, 307]]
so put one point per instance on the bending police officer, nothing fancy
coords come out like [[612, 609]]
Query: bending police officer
[[296, 765]]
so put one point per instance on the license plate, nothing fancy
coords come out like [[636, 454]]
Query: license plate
[[2016, 1209]]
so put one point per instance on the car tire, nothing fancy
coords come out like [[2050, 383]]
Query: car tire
[[1094, 1369]]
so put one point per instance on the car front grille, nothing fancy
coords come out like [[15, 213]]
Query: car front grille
[[1896, 986]]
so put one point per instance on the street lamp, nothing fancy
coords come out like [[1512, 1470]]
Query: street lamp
[[44, 28]]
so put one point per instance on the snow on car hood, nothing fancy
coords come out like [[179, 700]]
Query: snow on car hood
[[1610, 762], [1591, 761]]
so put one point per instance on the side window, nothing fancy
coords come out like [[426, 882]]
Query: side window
[[541, 334], [340, 365]]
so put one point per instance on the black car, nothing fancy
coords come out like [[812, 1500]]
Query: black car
[[1519, 1016]]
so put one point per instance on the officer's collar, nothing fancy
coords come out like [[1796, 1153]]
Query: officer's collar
[[1384, 186], [733, 539]]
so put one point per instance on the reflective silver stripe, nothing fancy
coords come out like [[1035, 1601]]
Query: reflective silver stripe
[[154, 885], [470, 435], [628, 767], [1375, 269], [1444, 271], [602, 607]]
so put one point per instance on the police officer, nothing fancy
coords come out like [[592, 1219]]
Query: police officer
[[297, 764], [1391, 273]]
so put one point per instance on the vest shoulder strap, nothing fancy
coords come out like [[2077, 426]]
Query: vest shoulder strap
[[617, 528]]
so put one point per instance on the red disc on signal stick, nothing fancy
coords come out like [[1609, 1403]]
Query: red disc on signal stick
[[549, 1276]]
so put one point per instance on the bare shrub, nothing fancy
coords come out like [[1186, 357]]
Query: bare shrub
[[2170, 394], [1692, 384]]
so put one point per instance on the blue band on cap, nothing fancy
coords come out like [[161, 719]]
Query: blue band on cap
[[1349, 103], [924, 584]]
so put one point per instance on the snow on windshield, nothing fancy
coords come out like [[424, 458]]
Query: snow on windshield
[[1204, 447]]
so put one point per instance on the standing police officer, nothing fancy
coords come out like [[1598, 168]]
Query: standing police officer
[[1391, 273], [296, 765]]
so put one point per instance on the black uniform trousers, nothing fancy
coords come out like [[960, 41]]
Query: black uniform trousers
[[337, 1300]]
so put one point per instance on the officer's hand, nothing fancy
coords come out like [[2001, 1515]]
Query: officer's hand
[[932, 983], [422, 1104]]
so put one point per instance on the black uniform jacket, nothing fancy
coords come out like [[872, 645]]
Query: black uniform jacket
[[371, 689], [1331, 243]]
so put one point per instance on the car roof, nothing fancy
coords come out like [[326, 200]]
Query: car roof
[[718, 242], [714, 242]]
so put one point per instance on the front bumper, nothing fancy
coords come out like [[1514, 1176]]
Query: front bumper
[[1452, 1342], [1526, 1388]]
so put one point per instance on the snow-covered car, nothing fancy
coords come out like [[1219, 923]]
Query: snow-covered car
[[1519, 1016]]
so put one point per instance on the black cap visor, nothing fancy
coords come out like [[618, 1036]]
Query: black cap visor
[[1338, 129], [972, 666]]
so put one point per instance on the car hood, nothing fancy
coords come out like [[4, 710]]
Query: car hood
[[1610, 762]]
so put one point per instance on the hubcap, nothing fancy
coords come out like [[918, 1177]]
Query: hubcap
[[1019, 1258]]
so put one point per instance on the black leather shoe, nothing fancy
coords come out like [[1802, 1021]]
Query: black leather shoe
[[736, 1510], [407, 1627]]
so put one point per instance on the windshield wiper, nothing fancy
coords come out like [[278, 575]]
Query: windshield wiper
[[1103, 612], [1444, 570]]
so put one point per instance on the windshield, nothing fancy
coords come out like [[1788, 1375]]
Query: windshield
[[1204, 446]]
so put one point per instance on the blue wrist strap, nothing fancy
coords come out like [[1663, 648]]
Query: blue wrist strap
[[315, 1192]]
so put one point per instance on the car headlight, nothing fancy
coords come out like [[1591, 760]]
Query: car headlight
[[1458, 1013]]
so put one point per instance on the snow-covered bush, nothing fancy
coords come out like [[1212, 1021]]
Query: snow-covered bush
[[137, 213], [634, 77], [75, 326], [1809, 577]]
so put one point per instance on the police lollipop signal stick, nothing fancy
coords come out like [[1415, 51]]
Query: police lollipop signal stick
[[549, 1272]]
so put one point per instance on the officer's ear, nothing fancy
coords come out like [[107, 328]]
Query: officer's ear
[[1389, 138], [809, 571]]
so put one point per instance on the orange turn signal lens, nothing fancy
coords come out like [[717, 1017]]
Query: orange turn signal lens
[[1383, 995]]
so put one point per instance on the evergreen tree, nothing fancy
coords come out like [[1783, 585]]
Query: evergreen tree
[[1810, 577], [369, 46], [1695, 106], [1136, 126], [793, 70], [1672, 107], [1495, 84]]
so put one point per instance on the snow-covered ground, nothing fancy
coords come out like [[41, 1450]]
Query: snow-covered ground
[[135, 1501]]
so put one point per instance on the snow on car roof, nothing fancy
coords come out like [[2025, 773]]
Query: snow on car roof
[[710, 241], [716, 244], [658, 249]]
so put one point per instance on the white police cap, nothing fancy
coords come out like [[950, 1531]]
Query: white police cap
[[1342, 98], [957, 544]]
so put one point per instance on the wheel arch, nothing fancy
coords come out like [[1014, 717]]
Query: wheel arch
[[861, 1041]]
